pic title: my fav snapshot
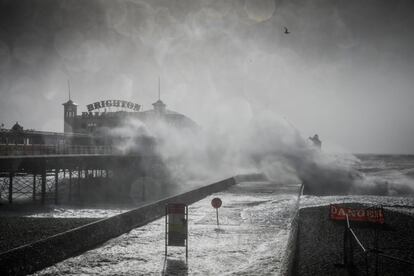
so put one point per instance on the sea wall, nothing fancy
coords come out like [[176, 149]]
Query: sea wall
[[319, 245], [38, 255], [288, 262]]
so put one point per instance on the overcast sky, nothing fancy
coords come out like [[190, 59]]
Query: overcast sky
[[346, 70]]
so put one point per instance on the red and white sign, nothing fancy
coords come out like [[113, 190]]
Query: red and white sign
[[216, 202], [374, 215]]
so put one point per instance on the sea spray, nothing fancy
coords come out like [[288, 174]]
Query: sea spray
[[263, 142]]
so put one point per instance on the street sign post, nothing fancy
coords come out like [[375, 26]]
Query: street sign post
[[176, 226], [216, 203]]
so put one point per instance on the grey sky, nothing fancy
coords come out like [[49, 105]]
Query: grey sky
[[345, 71]]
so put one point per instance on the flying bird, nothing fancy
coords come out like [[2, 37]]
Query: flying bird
[[286, 31]]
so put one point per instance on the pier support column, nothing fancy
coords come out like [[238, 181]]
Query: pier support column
[[70, 185], [43, 189], [79, 182], [34, 187], [11, 175], [56, 186]]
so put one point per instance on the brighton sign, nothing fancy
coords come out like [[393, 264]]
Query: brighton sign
[[113, 103], [373, 215]]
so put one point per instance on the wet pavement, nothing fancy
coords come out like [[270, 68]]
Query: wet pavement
[[254, 227]]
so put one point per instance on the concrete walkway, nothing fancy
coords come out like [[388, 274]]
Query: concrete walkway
[[251, 240]]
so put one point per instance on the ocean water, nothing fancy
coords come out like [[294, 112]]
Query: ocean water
[[394, 168], [393, 175], [386, 180]]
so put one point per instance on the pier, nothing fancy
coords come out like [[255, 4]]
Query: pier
[[40, 177]]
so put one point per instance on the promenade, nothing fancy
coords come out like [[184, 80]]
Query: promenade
[[255, 221]]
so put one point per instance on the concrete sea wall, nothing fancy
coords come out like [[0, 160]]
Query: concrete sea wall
[[319, 245], [288, 262], [35, 256]]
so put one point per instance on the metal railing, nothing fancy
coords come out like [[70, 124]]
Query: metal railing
[[38, 149]]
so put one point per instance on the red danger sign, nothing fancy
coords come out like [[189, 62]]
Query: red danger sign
[[216, 202], [177, 224], [374, 215]]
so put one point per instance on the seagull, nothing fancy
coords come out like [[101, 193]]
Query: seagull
[[286, 31]]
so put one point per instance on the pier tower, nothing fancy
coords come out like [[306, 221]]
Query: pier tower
[[70, 110]]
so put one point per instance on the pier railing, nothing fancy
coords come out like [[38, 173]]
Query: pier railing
[[16, 150]]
